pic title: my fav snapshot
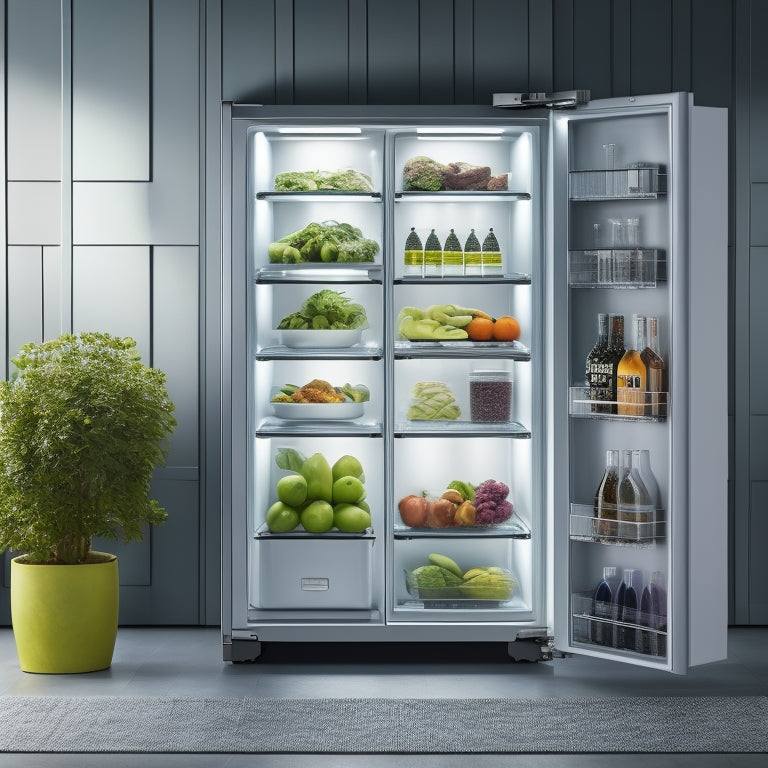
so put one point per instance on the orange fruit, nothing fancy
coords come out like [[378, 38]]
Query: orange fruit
[[480, 329], [506, 328]]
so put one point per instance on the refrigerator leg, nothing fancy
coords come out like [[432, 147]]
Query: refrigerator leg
[[240, 651], [533, 646]]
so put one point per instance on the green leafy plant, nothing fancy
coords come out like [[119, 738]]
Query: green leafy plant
[[83, 424]]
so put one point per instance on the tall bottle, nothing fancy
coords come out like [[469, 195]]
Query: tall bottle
[[413, 254], [604, 606], [491, 255], [606, 505], [595, 368], [453, 256], [433, 256], [631, 374], [653, 614], [634, 501], [642, 460], [629, 608], [654, 364], [613, 357], [473, 257]]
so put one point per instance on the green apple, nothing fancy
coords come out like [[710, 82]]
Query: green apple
[[317, 517], [347, 489], [348, 465], [292, 490], [281, 518], [350, 518]]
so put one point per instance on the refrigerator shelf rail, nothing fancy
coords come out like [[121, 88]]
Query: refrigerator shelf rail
[[446, 428], [653, 407], [621, 184], [363, 272], [407, 348], [616, 268], [281, 352], [275, 427], [485, 196], [584, 526], [320, 196], [513, 278], [514, 528]]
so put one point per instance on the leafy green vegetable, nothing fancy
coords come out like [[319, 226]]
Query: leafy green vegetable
[[347, 180], [289, 458], [326, 309], [327, 242]]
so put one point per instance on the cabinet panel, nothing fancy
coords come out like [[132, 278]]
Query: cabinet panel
[[111, 90], [52, 292], [34, 213], [33, 87], [25, 296]]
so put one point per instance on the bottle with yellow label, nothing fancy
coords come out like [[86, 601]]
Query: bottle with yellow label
[[631, 375], [473, 257], [433, 256], [453, 256], [413, 257]]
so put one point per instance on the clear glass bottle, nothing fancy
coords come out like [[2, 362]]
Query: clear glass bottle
[[473, 257], [453, 256], [491, 255], [641, 459], [631, 374], [606, 504], [413, 255], [635, 507], [654, 364], [595, 368], [433, 256]]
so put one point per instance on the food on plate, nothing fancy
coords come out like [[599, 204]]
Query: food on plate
[[480, 329], [452, 495], [347, 180], [433, 401], [329, 241], [466, 514], [321, 391], [324, 310], [358, 393]]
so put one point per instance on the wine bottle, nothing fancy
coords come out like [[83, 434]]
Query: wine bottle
[[613, 356], [607, 498], [631, 374], [635, 505], [595, 369], [655, 368]]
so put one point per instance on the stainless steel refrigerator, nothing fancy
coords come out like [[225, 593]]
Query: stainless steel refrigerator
[[615, 207]]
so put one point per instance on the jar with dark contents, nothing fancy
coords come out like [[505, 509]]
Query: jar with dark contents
[[490, 395]]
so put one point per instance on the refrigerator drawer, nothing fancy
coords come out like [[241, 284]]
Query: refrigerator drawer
[[312, 572]]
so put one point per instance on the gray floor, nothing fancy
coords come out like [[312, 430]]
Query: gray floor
[[187, 662]]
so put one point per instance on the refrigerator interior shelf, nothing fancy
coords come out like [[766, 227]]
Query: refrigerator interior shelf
[[322, 195], [281, 352], [447, 196], [514, 528], [584, 526], [264, 534], [314, 616], [408, 348], [514, 278], [616, 268], [649, 182], [447, 428], [273, 427], [363, 272], [653, 406], [598, 624]]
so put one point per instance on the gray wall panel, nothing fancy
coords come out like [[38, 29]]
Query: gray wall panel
[[320, 52], [134, 561], [175, 343], [110, 292], [681, 45], [592, 34], [436, 35], [562, 48], [33, 106], [110, 90], [758, 451], [34, 212], [393, 52], [758, 319], [248, 51], [358, 52], [540, 42], [758, 607], [463, 54], [165, 211], [25, 296], [712, 52], [651, 47], [52, 293], [758, 104], [758, 234], [621, 43], [500, 44]]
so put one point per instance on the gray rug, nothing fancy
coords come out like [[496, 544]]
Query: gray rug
[[273, 725]]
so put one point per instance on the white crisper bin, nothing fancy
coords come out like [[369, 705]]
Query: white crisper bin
[[296, 570]]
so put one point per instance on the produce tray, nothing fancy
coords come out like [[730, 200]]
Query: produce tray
[[464, 593]]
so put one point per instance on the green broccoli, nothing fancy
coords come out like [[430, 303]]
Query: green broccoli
[[296, 181], [310, 181], [423, 174]]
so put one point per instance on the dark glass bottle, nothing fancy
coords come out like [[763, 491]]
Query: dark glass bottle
[[613, 357], [595, 364], [606, 503]]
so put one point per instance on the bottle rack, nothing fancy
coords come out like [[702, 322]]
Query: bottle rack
[[584, 526], [616, 268], [598, 624], [653, 407], [637, 183]]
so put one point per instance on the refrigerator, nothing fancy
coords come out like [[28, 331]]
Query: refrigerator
[[518, 228]]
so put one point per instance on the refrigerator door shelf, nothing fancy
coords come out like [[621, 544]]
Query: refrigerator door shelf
[[514, 528], [409, 348], [516, 278], [621, 184], [461, 429], [363, 272], [616, 268], [319, 196], [586, 527], [454, 196], [653, 407], [364, 352], [274, 427]]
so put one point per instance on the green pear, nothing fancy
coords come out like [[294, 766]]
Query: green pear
[[319, 477]]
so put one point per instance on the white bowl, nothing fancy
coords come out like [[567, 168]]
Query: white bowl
[[318, 411], [325, 339]]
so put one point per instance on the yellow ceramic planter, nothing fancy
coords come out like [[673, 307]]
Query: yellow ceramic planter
[[65, 616]]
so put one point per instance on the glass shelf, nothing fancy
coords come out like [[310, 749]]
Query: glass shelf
[[616, 268], [406, 348], [362, 272], [281, 352], [514, 278], [447, 428], [584, 526], [271, 426], [598, 624], [653, 408], [649, 182], [321, 195], [447, 196], [514, 528]]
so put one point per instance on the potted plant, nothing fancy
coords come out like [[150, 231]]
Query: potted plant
[[83, 424]]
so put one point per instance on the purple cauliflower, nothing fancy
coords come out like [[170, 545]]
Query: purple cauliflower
[[491, 503]]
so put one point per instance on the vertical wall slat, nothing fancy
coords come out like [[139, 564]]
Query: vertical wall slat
[[621, 48], [712, 52], [284, 51], [463, 54], [436, 64], [393, 52], [592, 58], [651, 46], [357, 65], [562, 54], [500, 42], [25, 296], [248, 51], [52, 292], [111, 90], [33, 106], [540, 42], [681, 45]]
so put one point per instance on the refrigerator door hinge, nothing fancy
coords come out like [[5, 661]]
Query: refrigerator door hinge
[[535, 644], [558, 100]]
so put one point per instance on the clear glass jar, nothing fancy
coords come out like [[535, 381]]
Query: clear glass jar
[[490, 395]]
